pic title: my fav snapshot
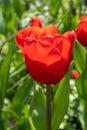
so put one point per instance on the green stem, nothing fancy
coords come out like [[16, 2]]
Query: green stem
[[48, 109], [86, 56], [85, 115], [1, 121]]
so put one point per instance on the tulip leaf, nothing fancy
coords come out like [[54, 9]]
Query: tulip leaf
[[79, 55], [37, 111], [61, 101], [1, 22], [24, 124], [81, 84], [21, 96], [18, 70], [54, 7], [4, 70], [18, 7]]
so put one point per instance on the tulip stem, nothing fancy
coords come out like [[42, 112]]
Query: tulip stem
[[48, 107], [86, 56], [85, 115]]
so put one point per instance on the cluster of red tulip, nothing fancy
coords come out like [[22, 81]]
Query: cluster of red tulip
[[47, 54]]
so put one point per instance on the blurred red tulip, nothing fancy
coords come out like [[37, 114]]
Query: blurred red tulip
[[81, 31], [75, 74]]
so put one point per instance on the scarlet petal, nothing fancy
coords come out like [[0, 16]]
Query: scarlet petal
[[34, 32], [50, 30], [67, 44], [47, 39], [57, 41], [21, 36], [29, 40], [64, 43], [41, 52], [83, 18], [51, 74], [82, 33], [36, 22]]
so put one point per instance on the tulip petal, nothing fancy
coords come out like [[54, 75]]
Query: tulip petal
[[42, 52], [34, 32], [21, 36], [36, 22], [51, 74], [83, 18], [57, 41], [50, 30], [82, 33], [47, 39], [67, 44]]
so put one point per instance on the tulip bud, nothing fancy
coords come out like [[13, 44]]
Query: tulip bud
[[36, 22], [75, 74]]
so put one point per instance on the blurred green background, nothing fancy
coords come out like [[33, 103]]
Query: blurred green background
[[19, 93]]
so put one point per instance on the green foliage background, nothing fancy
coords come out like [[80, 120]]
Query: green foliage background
[[22, 100]]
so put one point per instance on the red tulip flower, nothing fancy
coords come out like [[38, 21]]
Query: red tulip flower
[[75, 74], [81, 31], [47, 54]]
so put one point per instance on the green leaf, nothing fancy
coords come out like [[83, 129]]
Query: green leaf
[[79, 55], [24, 124], [61, 100], [37, 110], [22, 95], [1, 22], [18, 7], [18, 70], [9, 14], [81, 84], [54, 7], [4, 71]]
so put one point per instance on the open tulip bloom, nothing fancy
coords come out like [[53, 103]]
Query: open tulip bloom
[[47, 54]]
